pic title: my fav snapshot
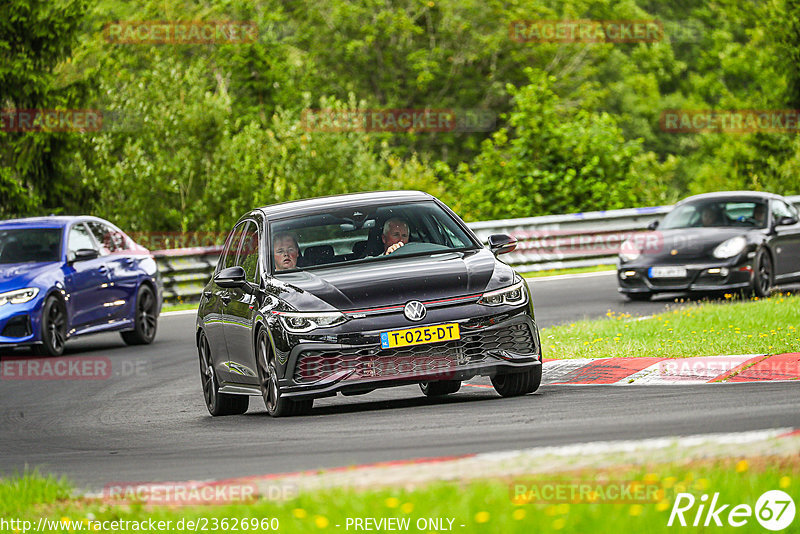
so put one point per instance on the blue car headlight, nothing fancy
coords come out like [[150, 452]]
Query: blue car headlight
[[18, 296]]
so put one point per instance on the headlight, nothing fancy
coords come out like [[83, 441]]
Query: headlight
[[299, 322], [18, 296], [512, 295], [730, 248], [628, 251]]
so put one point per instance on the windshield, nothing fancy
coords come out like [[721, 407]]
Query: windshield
[[29, 245], [355, 235], [717, 213]]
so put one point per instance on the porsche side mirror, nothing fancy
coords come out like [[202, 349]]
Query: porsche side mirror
[[786, 221], [231, 278], [501, 243], [652, 226]]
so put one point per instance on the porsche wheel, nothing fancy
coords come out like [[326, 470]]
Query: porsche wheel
[[762, 274]]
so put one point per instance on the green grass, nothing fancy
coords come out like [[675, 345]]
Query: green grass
[[481, 506], [756, 326], [178, 307], [574, 270]]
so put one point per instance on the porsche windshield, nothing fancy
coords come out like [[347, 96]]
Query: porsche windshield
[[717, 213], [357, 234], [29, 245]]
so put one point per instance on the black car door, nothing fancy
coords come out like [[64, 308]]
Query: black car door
[[215, 299], [239, 311], [785, 242]]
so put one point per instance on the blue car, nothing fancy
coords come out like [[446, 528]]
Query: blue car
[[62, 277]]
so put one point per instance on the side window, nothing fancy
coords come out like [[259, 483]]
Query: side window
[[228, 257], [779, 210], [110, 240], [79, 238], [248, 254]]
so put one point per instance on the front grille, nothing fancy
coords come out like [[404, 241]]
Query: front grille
[[670, 282], [19, 326], [515, 338], [434, 358]]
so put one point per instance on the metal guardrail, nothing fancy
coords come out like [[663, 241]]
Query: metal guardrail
[[544, 243]]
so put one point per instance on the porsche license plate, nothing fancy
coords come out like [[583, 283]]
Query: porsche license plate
[[667, 272], [420, 335]]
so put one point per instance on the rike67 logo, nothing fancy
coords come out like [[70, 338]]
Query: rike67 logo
[[774, 510]]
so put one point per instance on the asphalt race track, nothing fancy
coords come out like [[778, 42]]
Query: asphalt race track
[[147, 422]]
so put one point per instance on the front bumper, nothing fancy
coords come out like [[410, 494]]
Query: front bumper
[[19, 323], [487, 347], [700, 277]]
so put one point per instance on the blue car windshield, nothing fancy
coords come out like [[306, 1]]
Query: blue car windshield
[[30, 245]]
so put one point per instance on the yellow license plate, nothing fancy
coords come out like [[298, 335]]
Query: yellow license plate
[[420, 335]]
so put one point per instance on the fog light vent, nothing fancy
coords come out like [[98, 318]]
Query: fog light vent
[[19, 326]]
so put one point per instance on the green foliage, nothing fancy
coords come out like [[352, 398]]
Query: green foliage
[[36, 37], [554, 159], [195, 135]]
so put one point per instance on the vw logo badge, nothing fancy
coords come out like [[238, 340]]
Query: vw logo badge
[[415, 311]]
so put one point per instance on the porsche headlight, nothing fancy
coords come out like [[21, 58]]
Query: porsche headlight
[[512, 295], [628, 251], [730, 248], [299, 322], [18, 296]]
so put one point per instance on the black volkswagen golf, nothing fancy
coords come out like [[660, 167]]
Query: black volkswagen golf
[[350, 293]]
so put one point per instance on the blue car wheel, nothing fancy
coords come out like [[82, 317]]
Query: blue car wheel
[[54, 328]]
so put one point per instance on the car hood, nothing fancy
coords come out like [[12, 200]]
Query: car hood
[[396, 281], [681, 244], [21, 275]]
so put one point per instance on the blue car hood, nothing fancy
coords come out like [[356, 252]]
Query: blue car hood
[[21, 275]]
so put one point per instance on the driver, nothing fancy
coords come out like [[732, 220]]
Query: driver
[[759, 214], [395, 235], [286, 250], [710, 216]]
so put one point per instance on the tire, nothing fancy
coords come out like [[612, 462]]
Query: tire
[[440, 387], [639, 297], [146, 319], [516, 384], [276, 404], [216, 402], [762, 274], [53, 326]]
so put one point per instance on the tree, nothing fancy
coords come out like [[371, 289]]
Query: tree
[[552, 160], [36, 38]]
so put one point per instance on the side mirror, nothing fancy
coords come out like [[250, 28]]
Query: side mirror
[[501, 243], [786, 221], [652, 226], [84, 254], [231, 278]]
